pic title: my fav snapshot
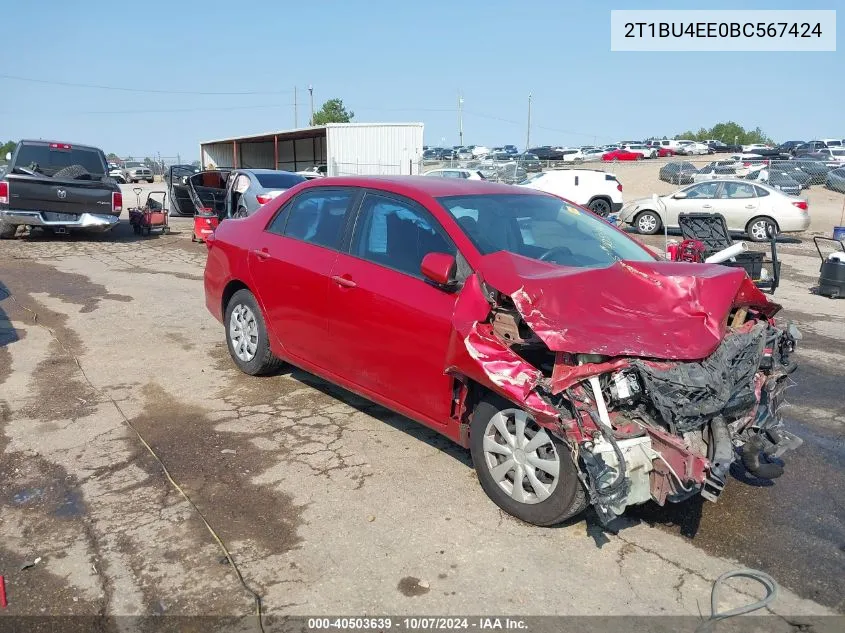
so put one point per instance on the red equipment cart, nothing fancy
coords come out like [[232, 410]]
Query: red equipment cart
[[205, 222], [152, 215]]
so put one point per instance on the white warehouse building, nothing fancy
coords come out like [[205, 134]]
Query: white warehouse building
[[346, 149]]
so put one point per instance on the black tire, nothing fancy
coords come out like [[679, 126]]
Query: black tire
[[600, 206], [72, 172], [151, 180], [264, 362], [766, 222], [7, 231], [648, 228], [194, 237], [568, 497]]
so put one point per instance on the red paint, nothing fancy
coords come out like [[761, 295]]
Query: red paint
[[401, 341], [665, 152], [3, 602], [621, 154]]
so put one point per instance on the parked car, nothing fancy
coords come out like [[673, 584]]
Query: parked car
[[646, 152], [116, 172], [789, 147], [250, 188], [454, 172], [508, 173], [817, 170], [316, 171], [753, 147], [836, 180], [832, 142], [570, 155], [808, 148], [464, 153], [830, 155], [181, 171], [788, 168], [592, 155], [546, 153], [497, 158], [694, 149], [480, 150], [776, 179], [59, 187], [715, 170], [599, 191], [621, 154], [504, 285], [511, 149], [529, 162], [136, 171], [678, 172], [749, 207]]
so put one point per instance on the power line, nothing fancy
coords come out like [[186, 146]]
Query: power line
[[70, 84]]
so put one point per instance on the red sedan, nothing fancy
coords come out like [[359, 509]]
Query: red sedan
[[621, 154], [575, 366], [665, 152]]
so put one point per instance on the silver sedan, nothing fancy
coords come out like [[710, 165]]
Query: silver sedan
[[251, 188]]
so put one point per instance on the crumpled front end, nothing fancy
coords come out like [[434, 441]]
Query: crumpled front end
[[682, 375]]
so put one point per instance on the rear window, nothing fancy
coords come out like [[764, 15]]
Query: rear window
[[47, 161], [280, 181]]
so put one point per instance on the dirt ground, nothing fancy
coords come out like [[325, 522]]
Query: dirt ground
[[327, 503]]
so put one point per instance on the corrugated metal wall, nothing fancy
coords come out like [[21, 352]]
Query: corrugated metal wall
[[218, 154], [308, 152], [374, 149], [256, 155]]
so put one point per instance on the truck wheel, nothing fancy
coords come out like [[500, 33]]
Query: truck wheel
[[151, 180], [7, 231], [523, 468]]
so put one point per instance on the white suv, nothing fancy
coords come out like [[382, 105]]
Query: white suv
[[599, 191]]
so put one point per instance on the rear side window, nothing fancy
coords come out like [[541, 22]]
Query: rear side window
[[397, 233], [760, 191], [278, 181], [316, 216]]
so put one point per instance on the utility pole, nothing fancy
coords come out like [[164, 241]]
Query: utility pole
[[295, 117], [460, 119], [311, 94], [528, 130]]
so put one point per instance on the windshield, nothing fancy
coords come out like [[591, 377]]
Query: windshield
[[130, 164], [541, 227], [278, 181], [46, 160]]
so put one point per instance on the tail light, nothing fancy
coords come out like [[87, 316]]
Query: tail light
[[4, 192], [619, 187], [116, 201], [746, 164], [801, 204], [265, 197]]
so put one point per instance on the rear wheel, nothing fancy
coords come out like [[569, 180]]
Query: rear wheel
[[759, 229], [523, 468], [648, 223], [600, 207], [247, 337], [150, 180]]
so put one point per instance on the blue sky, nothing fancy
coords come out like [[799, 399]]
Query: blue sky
[[388, 61]]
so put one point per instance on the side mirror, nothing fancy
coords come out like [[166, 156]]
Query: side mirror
[[438, 268], [680, 195], [8, 155]]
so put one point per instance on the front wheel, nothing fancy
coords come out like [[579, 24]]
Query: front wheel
[[648, 223], [247, 337], [151, 180], [760, 229], [523, 468]]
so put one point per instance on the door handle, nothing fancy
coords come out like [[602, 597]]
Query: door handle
[[262, 255], [344, 281], [749, 206], [706, 206]]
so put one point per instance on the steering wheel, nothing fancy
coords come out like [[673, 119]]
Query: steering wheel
[[557, 250]]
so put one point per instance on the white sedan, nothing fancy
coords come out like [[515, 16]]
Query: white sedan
[[751, 208], [643, 150], [466, 174]]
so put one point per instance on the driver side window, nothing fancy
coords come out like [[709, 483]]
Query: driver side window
[[704, 190]]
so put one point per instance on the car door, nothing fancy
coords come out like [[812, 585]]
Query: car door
[[291, 263], [738, 202], [391, 327], [700, 198]]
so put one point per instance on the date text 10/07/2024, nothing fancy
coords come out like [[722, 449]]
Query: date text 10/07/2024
[[417, 624], [723, 29]]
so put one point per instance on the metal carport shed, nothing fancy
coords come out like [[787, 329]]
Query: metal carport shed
[[346, 149]]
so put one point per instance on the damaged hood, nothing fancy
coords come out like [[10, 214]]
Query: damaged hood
[[666, 310]]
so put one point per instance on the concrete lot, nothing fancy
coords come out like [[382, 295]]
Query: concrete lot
[[328, 503]]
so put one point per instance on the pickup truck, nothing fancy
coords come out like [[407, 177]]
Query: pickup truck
[[59, 187]]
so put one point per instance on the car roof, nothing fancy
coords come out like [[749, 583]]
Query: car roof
[[421, 185]]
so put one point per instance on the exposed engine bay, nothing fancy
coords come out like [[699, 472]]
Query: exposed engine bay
[[655, 402]]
